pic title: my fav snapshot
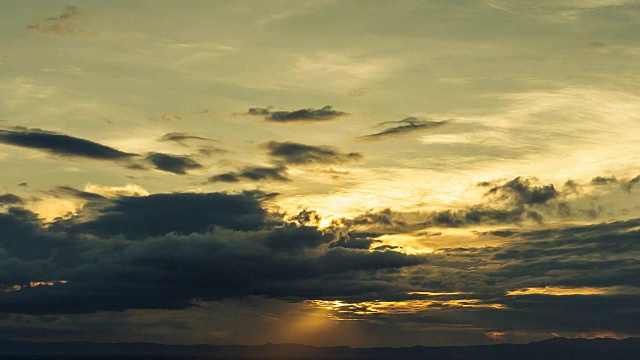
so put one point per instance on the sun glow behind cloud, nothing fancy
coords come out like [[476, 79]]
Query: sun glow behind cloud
[[344, 310], [569, 291]]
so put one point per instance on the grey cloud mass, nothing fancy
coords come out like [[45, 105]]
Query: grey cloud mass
[[303, 115], [300, 154], [255, 173], [165, 250], [172, 163], [603, 180], [405, 126], [628, 185], [10, 199], [60, 144]]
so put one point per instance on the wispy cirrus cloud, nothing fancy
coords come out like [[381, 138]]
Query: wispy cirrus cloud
[[181, 137], [404, 126]]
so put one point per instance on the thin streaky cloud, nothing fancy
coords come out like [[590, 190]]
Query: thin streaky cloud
[[297, 116], [60, 144], [404, 126]]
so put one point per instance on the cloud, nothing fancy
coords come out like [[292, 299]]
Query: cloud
[[181, 213], [283, 155], [303, 115], [181, 137], [520, 192], [116, 191], [603, 180], [10, 199], [171, 250], [63, 24], [23, 238], [172, 163], [60, 144], [300, 154], [255, 173], [628, 185], [405, 126], [511, 202]]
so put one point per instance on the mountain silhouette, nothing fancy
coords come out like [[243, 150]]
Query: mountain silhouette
[[556, 348]]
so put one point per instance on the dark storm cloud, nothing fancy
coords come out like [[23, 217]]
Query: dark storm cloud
[[164, 250], [60, 144], [167, 250], [172, 163], [62, 24], [21, 237], [181, 138], [300, 154], [303, 115], [404, 126], [182, 213], [254, 173], [10, 199]]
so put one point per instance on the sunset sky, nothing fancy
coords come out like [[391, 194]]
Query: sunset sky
[[362, 173]]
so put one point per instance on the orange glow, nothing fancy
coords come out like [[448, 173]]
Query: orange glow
[[566, 291], [496, 335], [429, 293], [51, 208], [32, 284], [399, 307]]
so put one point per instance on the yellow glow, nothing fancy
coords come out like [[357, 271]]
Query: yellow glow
[[411, 245], [32, 284], [303, 327], [399, 307], [113, 191], [429, 293], [52, 208], [566, 291], [496, 335]]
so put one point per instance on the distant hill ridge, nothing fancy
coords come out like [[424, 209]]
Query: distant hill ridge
[[555, 348]]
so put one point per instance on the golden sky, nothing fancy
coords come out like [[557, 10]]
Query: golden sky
[[324, 172]]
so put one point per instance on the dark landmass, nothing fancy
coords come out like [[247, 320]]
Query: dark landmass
[[557, 348]]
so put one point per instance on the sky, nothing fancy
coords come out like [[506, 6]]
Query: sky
[[361, 173]]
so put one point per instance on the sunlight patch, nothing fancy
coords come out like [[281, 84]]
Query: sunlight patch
[[115, 191]]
